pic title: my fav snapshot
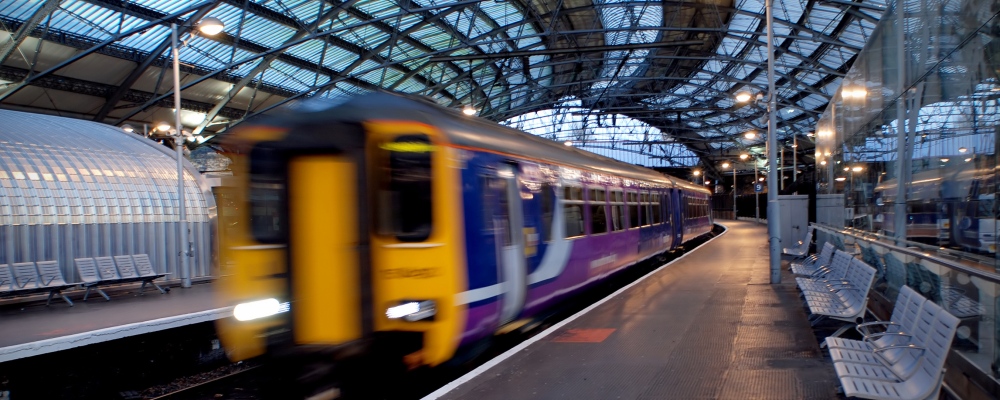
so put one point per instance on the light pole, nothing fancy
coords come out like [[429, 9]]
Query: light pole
[[208, 26], [724, 166]]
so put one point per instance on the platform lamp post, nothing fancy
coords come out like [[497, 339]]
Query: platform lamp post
[[209, 26], [724, 166]]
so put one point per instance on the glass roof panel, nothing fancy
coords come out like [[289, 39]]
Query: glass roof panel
[[696, 87]]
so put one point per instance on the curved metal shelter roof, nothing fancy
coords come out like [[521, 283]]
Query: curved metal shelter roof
[[674, 66]]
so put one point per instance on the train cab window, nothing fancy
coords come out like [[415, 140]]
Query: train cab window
[[404, 191], [573, 211], [598, 212], [617, 211], [656, 208], [548, 207], [633, 210], [266, 195]]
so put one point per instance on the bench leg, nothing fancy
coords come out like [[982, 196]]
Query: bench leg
[[59, 292], [87, 293], [66, 298], [156, 286], [105, 295], [143, 287]]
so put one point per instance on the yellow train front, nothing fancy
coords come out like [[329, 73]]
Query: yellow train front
[[340, 240]]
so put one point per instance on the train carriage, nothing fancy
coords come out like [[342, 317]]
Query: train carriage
[[389, 222]]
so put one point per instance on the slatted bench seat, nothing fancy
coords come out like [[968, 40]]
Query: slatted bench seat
[[919, 369], [815, 262], [99, 271], [46, 276], [6, 279], [845, 302], [880, 334], [138, 266], [93, 276], [802, 247], [825, 276]]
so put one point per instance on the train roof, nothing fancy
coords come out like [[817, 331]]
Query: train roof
[[476, 132]]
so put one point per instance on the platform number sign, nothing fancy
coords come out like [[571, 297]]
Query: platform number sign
[[758, 187]]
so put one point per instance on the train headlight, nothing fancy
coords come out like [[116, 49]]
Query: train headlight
[[259, 309], [412, 310]]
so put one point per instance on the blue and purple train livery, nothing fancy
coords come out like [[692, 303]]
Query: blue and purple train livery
[[390, 221]]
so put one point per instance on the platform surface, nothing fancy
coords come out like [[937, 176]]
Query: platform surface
[[35, 329], [707, 326]]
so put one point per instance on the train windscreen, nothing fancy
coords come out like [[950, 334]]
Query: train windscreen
[[404, 189]]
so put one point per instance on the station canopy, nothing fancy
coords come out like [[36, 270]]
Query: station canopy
[[651, 82]]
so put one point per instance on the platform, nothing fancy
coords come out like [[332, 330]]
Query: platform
[[706, 326], [35, 329]]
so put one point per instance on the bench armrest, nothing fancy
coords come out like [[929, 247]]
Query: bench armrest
[[863, 328]]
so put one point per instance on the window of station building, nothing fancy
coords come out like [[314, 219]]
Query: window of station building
[[617, 211], [633, 209], [573, 211], [548, 208], [598, 212]]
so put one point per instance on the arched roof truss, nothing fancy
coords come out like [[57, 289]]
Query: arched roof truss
[[674, 67]]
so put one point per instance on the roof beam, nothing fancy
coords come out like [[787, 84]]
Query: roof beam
[[7, 48], [137, 72], [261, 66], [114, 38]]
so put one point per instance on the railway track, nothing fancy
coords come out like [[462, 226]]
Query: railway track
[[211, 385]]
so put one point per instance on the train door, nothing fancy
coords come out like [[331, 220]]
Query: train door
[[509, 223], [676, 211], [307, 194]]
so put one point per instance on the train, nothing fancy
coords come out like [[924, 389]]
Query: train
[[389, 222], [948, 207]]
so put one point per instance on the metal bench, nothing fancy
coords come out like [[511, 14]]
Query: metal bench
[[802, 247], [91, 276], [823, 277], [815, 262], [919, 369], [6, 279], [46, 277], [139, 267], [892, 332], [844, 301]]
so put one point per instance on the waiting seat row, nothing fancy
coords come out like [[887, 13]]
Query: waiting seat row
[[26, 278], [901, 358], [99, 271]]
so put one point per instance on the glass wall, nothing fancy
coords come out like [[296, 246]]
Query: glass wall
[[919, 106], [906, 155]]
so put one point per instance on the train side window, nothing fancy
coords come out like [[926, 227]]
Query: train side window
[[548, 207], [617, 211], [598, 212], [633, 210], [656, 206], [499, 187], [573, 211], [487, 209]]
